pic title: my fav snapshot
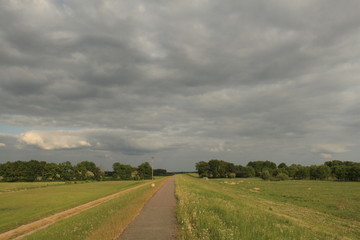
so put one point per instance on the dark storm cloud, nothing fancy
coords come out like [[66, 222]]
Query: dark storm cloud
[[191, 77]]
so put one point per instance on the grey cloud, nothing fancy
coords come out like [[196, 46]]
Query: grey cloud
[[234, 75]]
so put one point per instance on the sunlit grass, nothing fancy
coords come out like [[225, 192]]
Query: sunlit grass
[[18, 186], [105, 221], [332, 197], [213, 209], [20, 207]]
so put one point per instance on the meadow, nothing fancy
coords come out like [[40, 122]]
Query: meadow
[[19, 186], [25, 202], [256, 209], [105, 221]]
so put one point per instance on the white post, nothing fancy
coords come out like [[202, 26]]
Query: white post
[[152, 168]]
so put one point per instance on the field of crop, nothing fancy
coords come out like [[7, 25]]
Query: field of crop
[[37, 200], [257, 209]]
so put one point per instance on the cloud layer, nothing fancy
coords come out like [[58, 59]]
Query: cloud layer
[[183, 80]]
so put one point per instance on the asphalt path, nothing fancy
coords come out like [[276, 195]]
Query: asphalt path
[[157, 220]]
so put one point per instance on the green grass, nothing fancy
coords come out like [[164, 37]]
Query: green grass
[[215, 210], [17, 186], [336, 198], [105, 221], [20, 207]]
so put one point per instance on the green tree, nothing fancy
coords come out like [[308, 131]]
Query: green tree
[[88, 171], [160, 172], [144, 170], [203, 169], [265, 174], [123, 171], [260, 166], [282, 165], [67, 171]]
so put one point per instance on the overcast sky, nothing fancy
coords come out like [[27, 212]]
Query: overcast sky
[[182, 81]]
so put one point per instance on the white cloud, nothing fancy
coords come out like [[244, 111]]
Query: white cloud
[[326, 155], [54, 139], [220, 148], [2, 145], [331, 148], [123, 140]]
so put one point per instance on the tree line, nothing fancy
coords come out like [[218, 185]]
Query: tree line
[[34, 170], [335, 169]]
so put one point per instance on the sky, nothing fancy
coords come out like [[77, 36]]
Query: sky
[[180, 81]]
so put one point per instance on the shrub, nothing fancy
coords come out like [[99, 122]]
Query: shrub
[[232, 175], [265, 175]]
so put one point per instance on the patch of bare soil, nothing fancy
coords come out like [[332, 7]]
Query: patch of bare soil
[[233, 182], [32, 227], [254, 189]]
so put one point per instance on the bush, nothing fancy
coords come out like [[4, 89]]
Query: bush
[[265, 175], [232, 175], [282, 177]]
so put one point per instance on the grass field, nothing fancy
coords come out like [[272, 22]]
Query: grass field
[[105, 221], [19, 186], [20, 207], [257, 209]]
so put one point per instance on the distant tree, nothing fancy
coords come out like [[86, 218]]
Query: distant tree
[[230, 169], [232, 175], [292, 170], [282, 177], [122, 171], [51, 170], [144, 170], [260, 166], [203, 169], [88, 171], [160, 172], [340, 172], [302, 172], [214, 168], [282, 165], [67, 171], [244, 172], [265, 174], [321, 172], [353, 172]]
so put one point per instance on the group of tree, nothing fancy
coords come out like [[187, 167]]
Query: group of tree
[[35, 170], [335, 170], [221, 169], [128, 172]]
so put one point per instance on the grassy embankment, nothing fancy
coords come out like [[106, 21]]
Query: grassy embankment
[[105, 221], [37, 200], [256, 209]]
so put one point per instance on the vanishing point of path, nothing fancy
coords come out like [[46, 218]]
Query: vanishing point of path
[[157, 220]]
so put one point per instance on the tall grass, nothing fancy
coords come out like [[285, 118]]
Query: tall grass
[[105, 221], [217, 211]]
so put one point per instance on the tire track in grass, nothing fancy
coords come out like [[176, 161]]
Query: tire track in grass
[[32, 227]]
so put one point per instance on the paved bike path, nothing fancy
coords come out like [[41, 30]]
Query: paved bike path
[[157, 220]]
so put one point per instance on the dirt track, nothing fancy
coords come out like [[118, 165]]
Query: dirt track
[[32, 227], [157, 220]]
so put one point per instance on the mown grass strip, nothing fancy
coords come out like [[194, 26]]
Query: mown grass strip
[[22, 186], [105, 221], [21, 207], [210, 210]]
